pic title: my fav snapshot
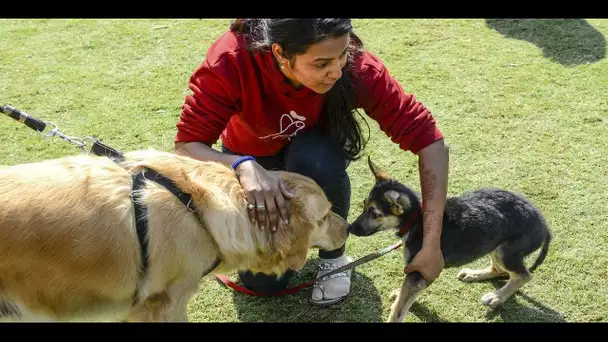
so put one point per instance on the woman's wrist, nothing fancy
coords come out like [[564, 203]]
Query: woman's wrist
[[238, 161]]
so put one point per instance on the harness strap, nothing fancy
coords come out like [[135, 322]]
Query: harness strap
[[169, 185], [101, 149], [141, 220]]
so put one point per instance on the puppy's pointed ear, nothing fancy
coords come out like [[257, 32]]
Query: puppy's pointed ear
[[378, 173], [398, 203]]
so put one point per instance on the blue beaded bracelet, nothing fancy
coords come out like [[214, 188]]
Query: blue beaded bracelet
[[239, 160]]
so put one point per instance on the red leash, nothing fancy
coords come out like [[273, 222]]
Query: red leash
[[289, 290]]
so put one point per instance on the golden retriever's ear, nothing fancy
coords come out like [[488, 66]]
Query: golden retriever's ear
[[397, 202], [290, 243], [298, 257], [378, 173]]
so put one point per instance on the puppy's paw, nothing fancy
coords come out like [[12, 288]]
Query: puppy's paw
[[394, 295], [492, 300], [468, 274], [395, 316]]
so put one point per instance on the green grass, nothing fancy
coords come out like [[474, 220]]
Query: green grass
[[523, 104]]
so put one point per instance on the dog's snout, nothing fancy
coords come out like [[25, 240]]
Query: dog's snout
[[354, 229]]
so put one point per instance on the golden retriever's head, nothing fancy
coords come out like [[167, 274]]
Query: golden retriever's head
[[313, 225]]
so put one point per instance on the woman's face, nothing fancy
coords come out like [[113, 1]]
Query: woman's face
[[320, 67]]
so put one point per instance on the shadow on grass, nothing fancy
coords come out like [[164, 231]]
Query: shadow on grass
[[567, 41], [511, 311], [363, 304], [424, 314]]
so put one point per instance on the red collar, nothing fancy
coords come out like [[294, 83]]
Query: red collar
[[409, 224]]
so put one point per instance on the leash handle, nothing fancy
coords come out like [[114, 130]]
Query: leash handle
[[23, 117], [100, 149]]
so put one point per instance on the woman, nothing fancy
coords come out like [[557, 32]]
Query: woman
[[282, 94]]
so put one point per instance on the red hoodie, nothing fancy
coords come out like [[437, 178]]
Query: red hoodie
[[244, 98]]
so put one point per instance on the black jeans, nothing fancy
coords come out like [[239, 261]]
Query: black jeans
[[316, 156]]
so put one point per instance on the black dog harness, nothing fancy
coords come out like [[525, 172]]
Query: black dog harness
[[141, 219]]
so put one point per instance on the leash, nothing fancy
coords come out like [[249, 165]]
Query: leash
[[222, 279], [294, 289], [100, 149], [97, 147]]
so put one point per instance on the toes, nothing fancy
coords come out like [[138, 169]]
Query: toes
[[491, 300], [317, 293], [466, 275]]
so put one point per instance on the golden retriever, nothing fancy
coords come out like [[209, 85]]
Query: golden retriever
[[69, 250]]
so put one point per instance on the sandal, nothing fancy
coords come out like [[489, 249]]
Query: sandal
[[335, 288]]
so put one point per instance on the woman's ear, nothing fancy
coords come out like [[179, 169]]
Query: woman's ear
[[277, 51]]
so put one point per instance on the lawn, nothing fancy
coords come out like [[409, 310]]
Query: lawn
[[523, 104]]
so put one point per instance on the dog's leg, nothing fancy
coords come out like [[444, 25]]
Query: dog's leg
[[180, 294], [14, 311], [411, 287], [491, 272], [407, 254], [498, 297], [178, 312], [152, 309], [518, 277]]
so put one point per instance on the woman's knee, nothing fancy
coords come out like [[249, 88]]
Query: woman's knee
[[265, 283]]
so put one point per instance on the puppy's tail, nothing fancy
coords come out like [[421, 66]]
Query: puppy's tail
[[543, 253]]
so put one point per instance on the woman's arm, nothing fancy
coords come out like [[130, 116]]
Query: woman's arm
[[200, 151], [433, 170], [410, 124]]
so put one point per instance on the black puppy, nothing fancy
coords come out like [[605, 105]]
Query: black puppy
[[490, 221]]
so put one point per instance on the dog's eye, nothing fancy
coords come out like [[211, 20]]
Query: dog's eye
[[372, 213]]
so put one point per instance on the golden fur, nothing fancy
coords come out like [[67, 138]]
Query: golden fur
[[69, 248]]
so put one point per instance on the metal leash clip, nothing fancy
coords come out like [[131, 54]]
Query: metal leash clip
[[97, 147]]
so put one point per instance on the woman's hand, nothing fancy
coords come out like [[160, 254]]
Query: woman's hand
[[428, 261], [266, 194]]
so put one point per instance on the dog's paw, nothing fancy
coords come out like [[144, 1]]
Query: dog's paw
[[467, 274], [395, 316], [492, 300], [394, 295]]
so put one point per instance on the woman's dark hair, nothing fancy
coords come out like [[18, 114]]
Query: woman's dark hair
[[295, 36]]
